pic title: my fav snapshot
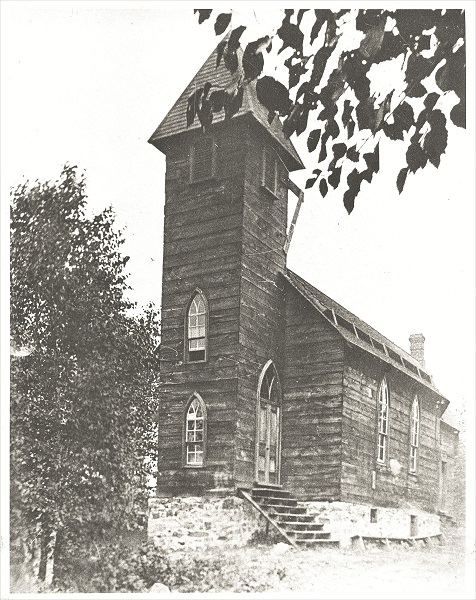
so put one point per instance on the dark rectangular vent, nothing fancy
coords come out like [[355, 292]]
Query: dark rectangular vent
[[394, 355], [425, 376], [378, 345], [410, 366], [345, 323], [363, 336]]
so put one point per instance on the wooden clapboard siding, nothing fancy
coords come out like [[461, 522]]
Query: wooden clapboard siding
[[362, 376], [312, 413], [261, 332], [202, 249]]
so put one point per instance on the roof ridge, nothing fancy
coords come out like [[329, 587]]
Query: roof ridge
[[413, 359], [306, 290]]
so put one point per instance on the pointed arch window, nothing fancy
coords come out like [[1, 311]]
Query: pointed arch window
[[195, 432], [383, 418], [268, 439], [414, 434], [197, 329]]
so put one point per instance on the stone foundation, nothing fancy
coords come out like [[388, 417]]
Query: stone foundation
[[191, 522], [344, 520]]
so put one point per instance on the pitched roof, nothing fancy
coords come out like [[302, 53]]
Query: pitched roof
[[360, 334], [175, 122]]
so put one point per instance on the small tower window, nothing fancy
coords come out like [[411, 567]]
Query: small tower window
[[196, 343], [202, 158], [273, 171], [414, 434], [195, 431], [383, 407]]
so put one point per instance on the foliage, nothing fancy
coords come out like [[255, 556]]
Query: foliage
[[83, 370], [329, 92], [114, 567]]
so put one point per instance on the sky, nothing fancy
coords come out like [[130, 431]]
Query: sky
[[88, 82]]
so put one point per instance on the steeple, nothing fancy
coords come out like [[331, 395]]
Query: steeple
[[175, 122]]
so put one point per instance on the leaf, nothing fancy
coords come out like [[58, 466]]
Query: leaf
[[290, 34], [220, 49], [230, 59], [233, 103], [203, 14], [313, 139], [339, 150], [193, 105], [321, 17], [253, 60], [458, 114], [222, 22], [350, 128], [323, 188], [352, 154], [273, 95], [217, 100], [416, 158], [301, 14], [334, 177], [402, 177], [310, 182], [373, 159], [372, 41], [234, 39], [435, 141]]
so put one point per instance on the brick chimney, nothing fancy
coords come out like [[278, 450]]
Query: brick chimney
[[417, 347]]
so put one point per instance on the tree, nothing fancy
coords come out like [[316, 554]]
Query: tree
[[83, 373], [332, 61]]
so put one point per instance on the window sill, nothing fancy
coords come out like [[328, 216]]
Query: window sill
[[193, 466], [195, 362], [269, 192]]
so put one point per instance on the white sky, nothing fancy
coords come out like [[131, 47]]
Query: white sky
[[88, 82]]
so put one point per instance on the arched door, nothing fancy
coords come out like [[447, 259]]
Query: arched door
[[268, 435]]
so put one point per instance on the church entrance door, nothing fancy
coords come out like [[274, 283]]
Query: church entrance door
[[269, 427]]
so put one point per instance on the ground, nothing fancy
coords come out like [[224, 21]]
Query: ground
[[434, 573]]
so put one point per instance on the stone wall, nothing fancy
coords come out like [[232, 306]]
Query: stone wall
[[191, 522], [344, 520]]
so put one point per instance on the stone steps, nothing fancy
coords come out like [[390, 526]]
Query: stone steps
[[293, 519]]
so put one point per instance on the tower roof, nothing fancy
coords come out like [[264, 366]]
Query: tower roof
[[175, 122]]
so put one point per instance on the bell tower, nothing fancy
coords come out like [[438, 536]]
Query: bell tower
[[225, 219]]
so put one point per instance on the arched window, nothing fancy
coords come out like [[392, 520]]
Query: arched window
[[195, 432], [268, 439], [414, 434], [197, 325], [383, 416]]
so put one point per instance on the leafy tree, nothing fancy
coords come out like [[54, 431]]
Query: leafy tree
[[83, 372], [329, 93]]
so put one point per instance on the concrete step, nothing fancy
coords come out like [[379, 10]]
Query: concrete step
[[275, 500], [309, 535], [279, 509], [300, 526], [263, 492], [317, 543], [294, 518]]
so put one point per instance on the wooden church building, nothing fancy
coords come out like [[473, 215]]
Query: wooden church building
[[277, 405]]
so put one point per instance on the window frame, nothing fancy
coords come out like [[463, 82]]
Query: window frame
[[187, 338], [202, 138], [415, 422], [279, 168], [194, 398], [383, 426]]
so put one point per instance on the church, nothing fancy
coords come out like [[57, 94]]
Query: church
[[279, 409]]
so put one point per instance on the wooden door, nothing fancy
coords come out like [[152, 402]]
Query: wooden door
[[268, 433]]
